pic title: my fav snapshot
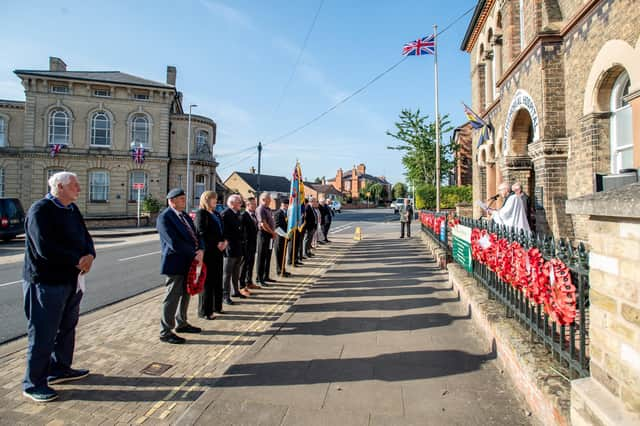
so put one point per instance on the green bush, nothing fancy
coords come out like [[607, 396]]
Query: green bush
[[150, 205], [450, 196]]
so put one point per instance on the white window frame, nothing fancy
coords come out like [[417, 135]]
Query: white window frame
[[617, 106], [106, 94], [59, 89], [133, 131], [199, 188], [52, 126], [133, 193], [94, 129], [1, 181], [199, 141], [139, 96], [3, 131], [102, 187]]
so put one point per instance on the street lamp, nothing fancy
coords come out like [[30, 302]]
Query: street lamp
[[189, 160]]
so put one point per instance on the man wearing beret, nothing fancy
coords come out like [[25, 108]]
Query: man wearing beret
[[180, 247]]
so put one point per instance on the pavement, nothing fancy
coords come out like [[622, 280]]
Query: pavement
[[367, 332]]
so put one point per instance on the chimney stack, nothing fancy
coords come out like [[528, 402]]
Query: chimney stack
[[56, 64], [355, 184], [252, 170], [362, 168], [338, 183], [171, 75]]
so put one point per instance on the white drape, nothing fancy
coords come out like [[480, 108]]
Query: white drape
[[512, 214]]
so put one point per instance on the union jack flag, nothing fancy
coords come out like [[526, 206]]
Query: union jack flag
[[138, 155], [423, 46], [55, 148]]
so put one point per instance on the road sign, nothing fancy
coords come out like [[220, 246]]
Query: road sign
[[462, 246], [138, 186]]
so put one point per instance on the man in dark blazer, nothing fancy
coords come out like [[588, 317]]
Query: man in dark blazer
[[250, 225], [180, 246], [310, 227], [280, 218], [233, 234]]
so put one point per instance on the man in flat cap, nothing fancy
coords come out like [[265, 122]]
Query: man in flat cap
[[180, 246]]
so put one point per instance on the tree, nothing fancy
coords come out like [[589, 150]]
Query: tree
[[317, 180], [416, 137], [375, 190], [399, 190]]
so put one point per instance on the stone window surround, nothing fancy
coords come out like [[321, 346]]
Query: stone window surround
[[133, 193], [47, 117], [130, 118], [2, 181], [4, 130], [90, 116], [91, 173]]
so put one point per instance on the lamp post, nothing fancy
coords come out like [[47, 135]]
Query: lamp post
[[189, 160]]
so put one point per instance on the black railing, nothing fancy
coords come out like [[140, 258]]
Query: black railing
[[568, 344], [442, 238]]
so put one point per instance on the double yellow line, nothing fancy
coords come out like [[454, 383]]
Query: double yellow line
[[254, 326]]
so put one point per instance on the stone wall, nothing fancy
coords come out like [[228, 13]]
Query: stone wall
[[611, 396]]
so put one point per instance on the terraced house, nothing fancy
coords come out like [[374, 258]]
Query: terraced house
[[93, 123], [560, 82]]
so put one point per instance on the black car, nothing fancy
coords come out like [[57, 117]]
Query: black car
[[11, 218]]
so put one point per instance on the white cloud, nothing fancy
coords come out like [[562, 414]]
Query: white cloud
[[229, 14]]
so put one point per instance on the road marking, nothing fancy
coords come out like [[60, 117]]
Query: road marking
[[11, 283], [225, 350], [140, 255], [341, 228]]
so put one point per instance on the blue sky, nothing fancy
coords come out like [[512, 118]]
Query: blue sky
[[235, 57]]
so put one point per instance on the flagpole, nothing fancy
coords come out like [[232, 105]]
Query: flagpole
[[435, 62]]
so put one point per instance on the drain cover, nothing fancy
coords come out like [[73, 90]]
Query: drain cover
[[155, 369]]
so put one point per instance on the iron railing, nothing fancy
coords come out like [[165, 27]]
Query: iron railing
[[568, 344]]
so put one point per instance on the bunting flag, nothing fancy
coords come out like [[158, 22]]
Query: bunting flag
[[137, 154], [476, 122], [295, 218], [54, 149]]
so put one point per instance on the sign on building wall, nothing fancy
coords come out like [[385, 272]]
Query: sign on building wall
[[521, 100], [462, 246]]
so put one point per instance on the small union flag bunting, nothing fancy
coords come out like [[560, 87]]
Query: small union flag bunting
[[137, 154], [54, 149], [423, 46]]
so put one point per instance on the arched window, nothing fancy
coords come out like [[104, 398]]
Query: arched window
[[138, 176], [99, 186], [100, 129], [59, 127], [202, 140], [140, 130], [3, 132], [621, 135]]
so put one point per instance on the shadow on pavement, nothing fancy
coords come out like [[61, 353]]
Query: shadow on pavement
[[372, 305], [412, 365]]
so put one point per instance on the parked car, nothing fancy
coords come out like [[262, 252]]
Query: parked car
[[11, 218], [336, 206], [396, 204]]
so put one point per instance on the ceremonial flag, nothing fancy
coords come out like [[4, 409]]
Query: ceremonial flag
[[423, 46], [478, 123], [296, 199]]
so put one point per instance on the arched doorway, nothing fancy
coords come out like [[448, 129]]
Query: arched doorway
[[521, 165]]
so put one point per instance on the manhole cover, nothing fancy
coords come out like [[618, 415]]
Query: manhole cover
[[156, 369]]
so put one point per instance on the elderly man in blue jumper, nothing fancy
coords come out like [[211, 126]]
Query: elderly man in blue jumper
[[58, 250]]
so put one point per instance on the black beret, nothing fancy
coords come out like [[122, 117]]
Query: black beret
[[175, 192]]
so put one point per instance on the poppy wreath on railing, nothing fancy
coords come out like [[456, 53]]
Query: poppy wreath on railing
[[196, 278], [543, 283]]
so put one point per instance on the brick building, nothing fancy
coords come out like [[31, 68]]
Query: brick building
[[96, 117], [560, 81], [350, 184], [250, 185], [461, 173]]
